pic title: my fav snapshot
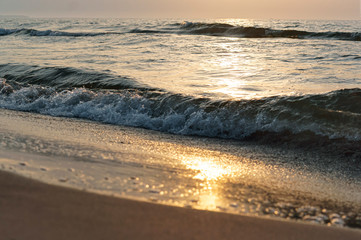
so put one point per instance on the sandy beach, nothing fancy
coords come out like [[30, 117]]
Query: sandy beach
[[34, 211]]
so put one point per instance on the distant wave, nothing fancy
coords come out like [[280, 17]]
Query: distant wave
[[210, 29], [311, 119], [222, 29], [41, 33], [137, 30]]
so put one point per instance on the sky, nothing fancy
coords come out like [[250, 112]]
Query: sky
[[257, 9]]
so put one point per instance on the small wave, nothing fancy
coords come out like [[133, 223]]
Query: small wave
[[136, 30], [335, 115], [222, 29], [66, 77], [41, 33]]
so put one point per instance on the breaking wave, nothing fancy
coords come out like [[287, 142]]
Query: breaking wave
[[116, 100]]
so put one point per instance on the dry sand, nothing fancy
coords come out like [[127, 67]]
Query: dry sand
[[31, 210]]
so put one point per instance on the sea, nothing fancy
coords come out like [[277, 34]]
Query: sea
[[280, 98]]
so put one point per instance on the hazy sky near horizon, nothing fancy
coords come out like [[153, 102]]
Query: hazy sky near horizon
[[291, 9]]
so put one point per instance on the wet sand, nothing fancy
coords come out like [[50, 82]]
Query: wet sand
[[33, 210]]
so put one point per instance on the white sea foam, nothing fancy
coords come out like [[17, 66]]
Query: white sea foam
[[234, 120]]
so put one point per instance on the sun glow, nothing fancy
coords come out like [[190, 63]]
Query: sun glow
[[207, 170], [211, 173]]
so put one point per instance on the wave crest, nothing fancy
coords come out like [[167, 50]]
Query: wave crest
[[222, 29], [334, 115], [66, 77], [42, 33]]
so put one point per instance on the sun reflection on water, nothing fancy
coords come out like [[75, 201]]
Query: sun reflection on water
[[207, 170], [215, 175], [211, 174]]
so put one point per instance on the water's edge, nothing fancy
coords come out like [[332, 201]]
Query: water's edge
[[203, 173]]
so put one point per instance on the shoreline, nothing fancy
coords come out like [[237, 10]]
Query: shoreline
[[206, 174], [34, 210]]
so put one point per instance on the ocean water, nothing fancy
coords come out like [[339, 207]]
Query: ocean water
[[218, 78], [291, 84]]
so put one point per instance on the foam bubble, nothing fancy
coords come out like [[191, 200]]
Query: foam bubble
[[203, 117]]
